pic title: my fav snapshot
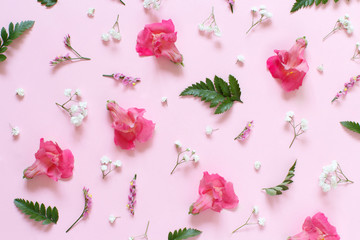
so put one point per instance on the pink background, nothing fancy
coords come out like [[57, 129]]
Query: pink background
[[165, 199]]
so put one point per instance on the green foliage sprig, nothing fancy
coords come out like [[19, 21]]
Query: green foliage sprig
[[183, 234], [48, 3], [283, 186], [14, 32], [352, 126], [219, 93], [37, 212], [307, 3]]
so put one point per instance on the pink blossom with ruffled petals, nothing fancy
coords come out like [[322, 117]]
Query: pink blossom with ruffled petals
[[215, 193], [129, 125], [52, 161], [290, 67], [317, 228], [159, 39]]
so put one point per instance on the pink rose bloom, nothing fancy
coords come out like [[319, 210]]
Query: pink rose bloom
[[129, 125], [317, 228], [159, 39], [52, 161], [215, 193], [290, 67]]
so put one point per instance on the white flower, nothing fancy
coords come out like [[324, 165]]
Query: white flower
[[268, 14], [105, 37], [164, 99], [177, 144], [117, 36], [20, 92], [196, 158], [304, 124], [347, 16], [84, 112], [257, 165], [74, 108], [117, 163], [254, 9], [112, 218], [186, 157], [240, 58], [77, 120], [78, 92], [289, 116], [357, 44], [333, 181], [105, 159], [209, 29], [131, 238], [217, 31], [193, 151], [91, 12], [256, 210], [67, 92], [261, 221], [325, 187], [82, 105], [112, 32], [15, 131], [334, 165], [209, 130], [262, 7], [201, 27], [103, 168], [188, 149], [263, 12], [320, 68], [350, 29]]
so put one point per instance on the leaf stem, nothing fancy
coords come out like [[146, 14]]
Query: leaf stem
[[82, 214], [332, 32], [254, 24]]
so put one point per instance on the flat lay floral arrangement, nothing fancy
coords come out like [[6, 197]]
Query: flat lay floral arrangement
[[157, 119]]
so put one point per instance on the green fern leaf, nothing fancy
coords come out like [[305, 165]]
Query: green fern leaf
[[183, 234], [352, 126], [219, 93], [14, 32], [277, 190], [37, 212], [307, 3], [48, 3]]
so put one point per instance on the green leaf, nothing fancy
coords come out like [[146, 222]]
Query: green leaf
[[352, 126], [307, 3], [183, 234], [48, 3], [14, 32], [277, 190], [2, 57], [219, 93], [37, 212]]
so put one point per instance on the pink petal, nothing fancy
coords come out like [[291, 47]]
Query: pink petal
[[144, 129], [144, 43], [124, 140], [66, 166], [166, 26], [321, 222]]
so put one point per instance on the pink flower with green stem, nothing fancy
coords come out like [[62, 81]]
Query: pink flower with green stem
[[87, 207], [347, 87], [126, 80], [66, 57], [246, 132], [132, 196]]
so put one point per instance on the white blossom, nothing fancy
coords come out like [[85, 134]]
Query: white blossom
[[117, 36], [256, 210], [209, 130], [78, 92], [257, 165], [105, 159], [304, 124], [112, 218], [289, 116], [320, 68], [91, 12], [103, 168], [186, 157], [240, 58], [77, 120], [117, 163], [196, 158], [20, 92], [67, 92], [254, 9], [15, 131], [74, 108], [105, 37], [178, 144], [261, 221], [164, 99]]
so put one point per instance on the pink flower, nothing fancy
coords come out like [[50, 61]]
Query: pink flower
[[289, 66], [129, 125], [215, 193], [159, 39], [51, 161], [317, 228]]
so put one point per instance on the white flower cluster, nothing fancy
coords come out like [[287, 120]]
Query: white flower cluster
[[77, 111], [209, 130], [107, 165], [345, 23], [240, 59], [91, 12], [164, 100], [328, 179], [186, 157], [155, 4], [320, 68], [210, 25], [261, 220], [15, 131], [20, 92], [112, 218], [357, 51], [262, 11], [257, 165], [112, 33], [304, 124]]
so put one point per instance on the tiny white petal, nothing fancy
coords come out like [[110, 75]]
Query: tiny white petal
[[15, 131], [103, 168], [256, 210], [67, 92], [91, 12], [261, 221], [196, 158], [178, 144], [262, 7], [241, 58], [257, 165], [320, 68], [78, 92], [117, 163], [186, 157], [112, 218], [164, 99], [74, 108], [105, 37], [254, 9], [20, 92], [208, 130], [105, 159], [304, 124]]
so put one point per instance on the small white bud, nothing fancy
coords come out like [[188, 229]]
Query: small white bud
[[105, 37], [91, 12], [257, 165], [15, 131], [20, 92], [103, 168], [67, 92], [178, 144]]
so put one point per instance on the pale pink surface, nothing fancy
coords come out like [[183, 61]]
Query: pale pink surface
[[165, 199]]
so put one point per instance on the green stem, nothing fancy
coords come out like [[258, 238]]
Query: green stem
[[246, 223], [82, 214], [330, 33], [177, 162], [82, 58], [122, 2], [254, 24], [105, 75]]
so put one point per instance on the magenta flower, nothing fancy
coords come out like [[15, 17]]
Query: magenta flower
[[132, 195], [87, 206], [129, 125], [67, 41], [317, 228], [159, 39], [52, 161], [347, 87], [215, 193], [125, 79], [290, 67], [246, 132]]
